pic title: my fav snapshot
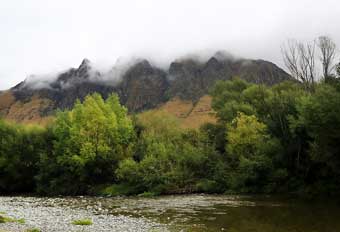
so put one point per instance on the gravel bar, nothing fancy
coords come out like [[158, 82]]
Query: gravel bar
[[48, 215]]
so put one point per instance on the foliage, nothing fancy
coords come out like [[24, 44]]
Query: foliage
[[246, 136], [33, 230], [319, 118], [4, 219], [20, 147], [173, 160], [250, 148], [89, 142], [82, 222]]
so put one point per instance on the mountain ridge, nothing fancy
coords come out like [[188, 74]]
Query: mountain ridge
[[142, 86]]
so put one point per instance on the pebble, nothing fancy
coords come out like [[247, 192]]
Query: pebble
[[46, 215]]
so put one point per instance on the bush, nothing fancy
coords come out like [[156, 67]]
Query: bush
[[82, 222], [33, 230]]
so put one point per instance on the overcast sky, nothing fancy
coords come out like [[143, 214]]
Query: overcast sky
[[42, 36]]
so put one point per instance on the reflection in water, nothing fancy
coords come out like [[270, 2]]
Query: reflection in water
[[196, 213], [238, 214]]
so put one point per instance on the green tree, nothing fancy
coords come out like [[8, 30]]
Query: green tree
[[227, 99], [246, 136], [20, 147], [319, 118], [90, 141], [251, 149]]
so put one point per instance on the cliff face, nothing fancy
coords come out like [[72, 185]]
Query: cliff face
[[143, 87], [140, 87], [191, 80]]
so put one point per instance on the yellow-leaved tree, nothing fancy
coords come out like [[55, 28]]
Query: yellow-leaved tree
[[251, 148], [90, 141]]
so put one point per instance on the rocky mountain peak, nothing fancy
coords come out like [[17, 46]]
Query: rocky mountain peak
[[72, 77], [85, 62], [175, 67], [213, 63], [84, 67], [142, 67], [223, 56]]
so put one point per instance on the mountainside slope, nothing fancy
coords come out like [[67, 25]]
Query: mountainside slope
[[140, 87]]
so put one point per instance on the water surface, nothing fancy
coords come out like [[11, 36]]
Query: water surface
[[236, 213]]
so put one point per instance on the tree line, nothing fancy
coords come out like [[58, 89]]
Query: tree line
[[275, 139]]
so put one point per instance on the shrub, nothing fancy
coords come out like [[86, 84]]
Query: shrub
[[82, 222]]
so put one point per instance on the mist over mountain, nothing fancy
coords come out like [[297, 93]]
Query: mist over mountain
[[140, 84]]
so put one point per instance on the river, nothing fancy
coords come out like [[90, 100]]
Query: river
[[191, 213]]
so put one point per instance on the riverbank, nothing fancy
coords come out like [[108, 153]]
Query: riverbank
[[58, 214], [175, 213]]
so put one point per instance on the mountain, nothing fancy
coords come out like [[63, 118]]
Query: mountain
[[140, 86]]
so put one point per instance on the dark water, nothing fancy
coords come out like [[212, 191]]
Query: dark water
[[262, 214], [197, 213]]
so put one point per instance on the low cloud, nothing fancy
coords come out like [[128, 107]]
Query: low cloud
[[41, 81], [112, 74], [95, 73]]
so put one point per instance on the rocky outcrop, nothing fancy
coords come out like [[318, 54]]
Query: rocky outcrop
[[190, 79], [143, 87]]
